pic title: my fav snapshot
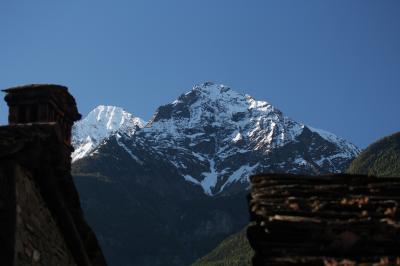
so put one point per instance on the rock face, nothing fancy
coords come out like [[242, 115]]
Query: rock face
[[183, 178], [40, 213], [324, 220]]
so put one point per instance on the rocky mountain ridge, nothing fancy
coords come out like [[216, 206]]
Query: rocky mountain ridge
[[215, 138]]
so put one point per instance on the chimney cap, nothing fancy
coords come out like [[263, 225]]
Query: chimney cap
[[31, 87], [58, 92]]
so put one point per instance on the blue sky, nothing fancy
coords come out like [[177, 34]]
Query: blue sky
[[332, 64]]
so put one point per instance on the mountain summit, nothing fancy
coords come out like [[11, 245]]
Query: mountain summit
[[215, 137], [98, 125]]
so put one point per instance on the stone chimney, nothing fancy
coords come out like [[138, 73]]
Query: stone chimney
[[40, 213], [43, 103]]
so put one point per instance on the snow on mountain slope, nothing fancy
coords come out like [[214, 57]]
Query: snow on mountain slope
[[98, 125], [216, 137], [345, 145], [219, 107]]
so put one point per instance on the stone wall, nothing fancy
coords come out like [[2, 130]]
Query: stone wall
[[38, 238], [7, 214], [40, 215], [324, 220]]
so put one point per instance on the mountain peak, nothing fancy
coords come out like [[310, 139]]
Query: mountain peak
[[210, 99], [211, 91], [99, 124], [216, 125], [210, 86], [114, 116], [208, 91], [214, 90]]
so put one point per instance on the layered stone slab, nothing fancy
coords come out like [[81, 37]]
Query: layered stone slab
[[324, 220]]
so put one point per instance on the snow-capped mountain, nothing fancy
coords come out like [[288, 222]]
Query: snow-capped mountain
[[98, 125], [149, 188], [215, 138]]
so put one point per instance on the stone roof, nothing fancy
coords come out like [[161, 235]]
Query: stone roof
[[57, 93]]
